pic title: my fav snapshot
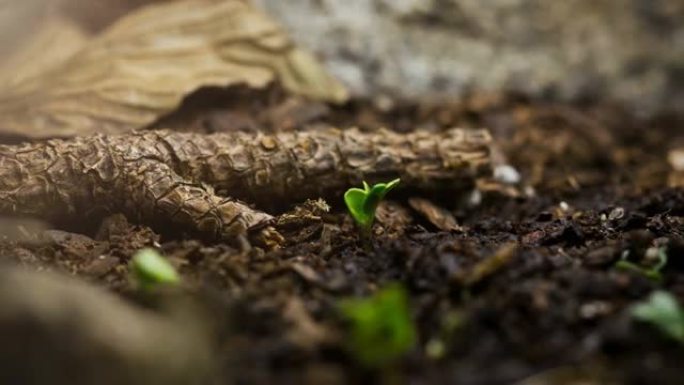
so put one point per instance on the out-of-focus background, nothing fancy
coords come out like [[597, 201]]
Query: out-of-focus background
[[627, 50], [630, 51]]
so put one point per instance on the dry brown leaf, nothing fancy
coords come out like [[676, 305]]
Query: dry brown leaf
[[142, 66], [53, 42], [18, 19]]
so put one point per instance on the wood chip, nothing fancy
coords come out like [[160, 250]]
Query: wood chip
[[306, 272], [439, 217]]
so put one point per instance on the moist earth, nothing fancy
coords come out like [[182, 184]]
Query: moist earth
[[516, 282]]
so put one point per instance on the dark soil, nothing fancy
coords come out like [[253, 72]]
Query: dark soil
[[551, 309]]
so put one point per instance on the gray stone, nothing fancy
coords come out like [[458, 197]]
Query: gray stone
[[628, 51]]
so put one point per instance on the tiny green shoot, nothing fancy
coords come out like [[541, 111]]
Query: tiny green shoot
[[664, 312], [652, 272], [150, 270], [362, 203], [380, 327], [436, 347]]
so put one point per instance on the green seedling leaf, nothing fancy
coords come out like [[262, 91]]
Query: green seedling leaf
[[355, 198], [150, 269], [380, 327], [362, 203], [653, 272], [631, 266], [664, 312]]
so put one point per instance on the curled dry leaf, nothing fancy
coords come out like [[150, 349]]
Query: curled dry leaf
[[55, 40], [145, 64], [18, 19]]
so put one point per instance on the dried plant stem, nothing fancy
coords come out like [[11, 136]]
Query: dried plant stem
[[194, 180]]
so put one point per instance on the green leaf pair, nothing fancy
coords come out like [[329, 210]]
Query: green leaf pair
[[362, 203], [664, 312], [381, 328]]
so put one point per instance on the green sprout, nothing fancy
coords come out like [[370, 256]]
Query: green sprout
[[362, 203], [436, 347], [150, 270], [381, 329], [664, 312], [652, 272]]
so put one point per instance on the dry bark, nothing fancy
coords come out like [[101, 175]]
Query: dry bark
[[194, 180]]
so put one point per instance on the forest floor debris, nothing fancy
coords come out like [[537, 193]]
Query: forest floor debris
[[555, 303]]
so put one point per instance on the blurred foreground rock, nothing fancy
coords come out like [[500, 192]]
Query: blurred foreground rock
[[56, 330], [629, 51]]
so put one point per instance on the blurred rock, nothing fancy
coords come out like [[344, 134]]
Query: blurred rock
[[56, 330], [628, 51]]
